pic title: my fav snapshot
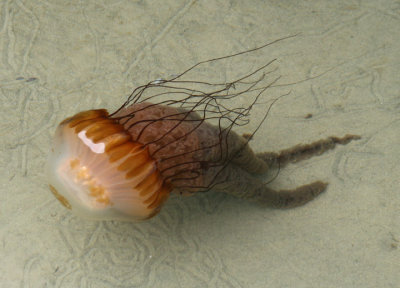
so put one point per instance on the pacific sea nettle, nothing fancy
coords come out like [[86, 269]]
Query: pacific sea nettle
[[172, 136]]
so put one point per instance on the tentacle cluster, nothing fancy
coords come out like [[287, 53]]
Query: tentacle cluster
[[180, 110]]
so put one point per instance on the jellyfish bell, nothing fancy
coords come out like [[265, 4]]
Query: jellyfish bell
[[98, 171], [124, 166]]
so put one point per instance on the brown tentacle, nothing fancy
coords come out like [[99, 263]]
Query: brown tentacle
[[290, 198], [243, 156], [241, 184], [304, 151]]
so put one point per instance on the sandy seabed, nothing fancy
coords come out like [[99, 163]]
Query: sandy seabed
[[61, 57]]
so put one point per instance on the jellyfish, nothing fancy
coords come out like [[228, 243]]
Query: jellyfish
[[173, 136]]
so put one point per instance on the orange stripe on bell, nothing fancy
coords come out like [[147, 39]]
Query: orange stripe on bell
[[139, 167]]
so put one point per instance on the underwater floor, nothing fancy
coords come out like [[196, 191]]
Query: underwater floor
[[341, 76]]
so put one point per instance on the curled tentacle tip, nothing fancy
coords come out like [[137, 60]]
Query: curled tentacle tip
[[96, 170]]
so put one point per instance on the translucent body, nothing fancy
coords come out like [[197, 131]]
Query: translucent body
[[124, 167], [96, 170]]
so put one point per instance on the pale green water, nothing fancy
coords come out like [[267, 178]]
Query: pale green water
[[59, 58]]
